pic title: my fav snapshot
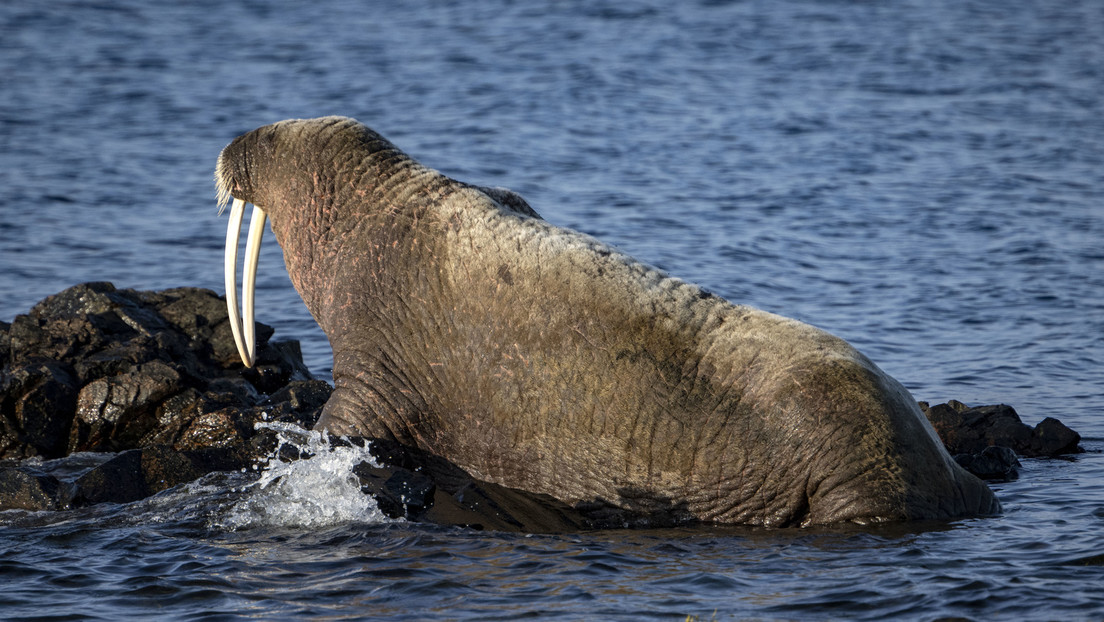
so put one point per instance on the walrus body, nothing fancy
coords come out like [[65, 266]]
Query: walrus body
[[539, 358]]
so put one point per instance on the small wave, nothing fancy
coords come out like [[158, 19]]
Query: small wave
[[320, 489]]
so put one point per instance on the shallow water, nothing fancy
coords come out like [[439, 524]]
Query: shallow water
[[922, 179]]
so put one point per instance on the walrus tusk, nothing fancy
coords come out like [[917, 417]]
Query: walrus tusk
[[243, 329]]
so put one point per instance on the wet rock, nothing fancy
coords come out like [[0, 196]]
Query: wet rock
[[118, 480], [966, 430], [277, 366], [1055, 438], [153, 376], [422, 487], [5, 341], [304, 395], [95, 368], [398, 493], [24, 488], [228, 427], [138, 473], [71, 326], [177, 412], [37, 402], [992, 463], [114, 413], [233, 390]]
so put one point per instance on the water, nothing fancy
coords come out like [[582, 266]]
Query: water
[[920, 178]]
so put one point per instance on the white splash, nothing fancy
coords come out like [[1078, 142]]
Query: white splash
[[312, 492]]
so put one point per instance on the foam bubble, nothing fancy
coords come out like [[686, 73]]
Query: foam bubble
[[316, 491]]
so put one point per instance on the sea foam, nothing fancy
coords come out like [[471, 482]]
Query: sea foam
[[317, 490]]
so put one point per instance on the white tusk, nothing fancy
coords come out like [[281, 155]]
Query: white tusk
[[230, 271], [244, 333], [249, 279]]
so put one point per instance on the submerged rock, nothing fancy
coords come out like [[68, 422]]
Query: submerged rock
[[138, 473], [422, 487], [985, 440], [26, 488], [991, 463]]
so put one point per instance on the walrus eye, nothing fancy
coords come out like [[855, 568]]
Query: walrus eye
[[244, 330]]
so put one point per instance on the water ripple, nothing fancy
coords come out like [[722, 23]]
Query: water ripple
[[920, 178]]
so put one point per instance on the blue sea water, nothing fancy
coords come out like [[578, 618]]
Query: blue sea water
[[923, 179]]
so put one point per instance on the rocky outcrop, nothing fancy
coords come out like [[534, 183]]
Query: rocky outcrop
[[94, 368], [966, 430], [987, 439]]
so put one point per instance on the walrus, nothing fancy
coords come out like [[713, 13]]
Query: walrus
[[539, 358]]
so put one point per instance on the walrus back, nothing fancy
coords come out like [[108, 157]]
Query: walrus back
[[586, 356]]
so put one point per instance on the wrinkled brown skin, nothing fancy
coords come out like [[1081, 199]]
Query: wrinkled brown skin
[[539, 358]]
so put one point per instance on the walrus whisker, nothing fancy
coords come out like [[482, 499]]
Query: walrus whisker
[[243, 330]]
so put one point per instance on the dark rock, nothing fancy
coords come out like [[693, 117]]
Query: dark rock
[[966, 430], [94, 368], [233, 390], [399, 493], [422, 487], [114, 413], [79, 300], [138, 473], [1054, 438], [152, 375], [993, 463], [37, 401], [163, 468], [304, 395], [23, 488], [228, 427], [223, 349], [5, 341], [413, 490], [194, 313], [70, 324], [277, 365], [118, 480], [176, 413]]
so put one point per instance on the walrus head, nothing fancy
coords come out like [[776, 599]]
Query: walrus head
[[267, 165]]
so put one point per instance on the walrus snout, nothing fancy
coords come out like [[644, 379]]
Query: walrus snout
[[232, 178]]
